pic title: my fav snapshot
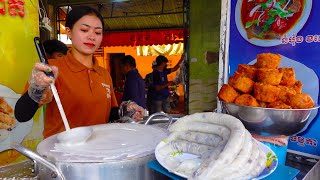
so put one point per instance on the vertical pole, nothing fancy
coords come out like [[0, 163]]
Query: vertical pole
[[186, 5], [224, 46]]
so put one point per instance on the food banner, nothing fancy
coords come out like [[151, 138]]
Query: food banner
[[19, 25], [286, 27]]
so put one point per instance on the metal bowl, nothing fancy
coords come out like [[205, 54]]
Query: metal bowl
[[270, 120]]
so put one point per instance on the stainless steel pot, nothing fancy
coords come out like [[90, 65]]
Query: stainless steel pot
[[53, 166], [126, 169]]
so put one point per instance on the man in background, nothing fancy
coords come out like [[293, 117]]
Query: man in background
[[149, 85], [55, 49], [160, 95], [134, 85]]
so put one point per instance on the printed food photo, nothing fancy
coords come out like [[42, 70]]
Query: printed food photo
[[265, 85], [265, 22], [10, 129]]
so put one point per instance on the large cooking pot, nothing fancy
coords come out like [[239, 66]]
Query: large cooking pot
[[114, 151]]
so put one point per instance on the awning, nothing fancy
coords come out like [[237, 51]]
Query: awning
[[144, 37], [165, 50]]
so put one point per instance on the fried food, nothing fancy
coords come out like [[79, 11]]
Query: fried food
[[301, 101], [263, 104], [279, 105], [5, 107], [265, 85], [269, 76], [289, 77], [286, 93], [246, 100], [227, 93], [266, 92], [298, 87], [268, 60], [231, 80], [248, 71], [241, 83], [6, 121]]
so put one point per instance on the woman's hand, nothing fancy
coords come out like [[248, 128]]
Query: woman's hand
[[135, 111], [39, 83], [139, 113]]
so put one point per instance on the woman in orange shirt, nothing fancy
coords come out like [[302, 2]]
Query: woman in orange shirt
[[85, 88]]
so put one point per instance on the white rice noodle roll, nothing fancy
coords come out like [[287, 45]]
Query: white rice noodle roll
[[261, 164], [188, 166], [199, 137], [248, 166], [202, 127], [171, 162], [231, 149], [237, 166], [184, 146]]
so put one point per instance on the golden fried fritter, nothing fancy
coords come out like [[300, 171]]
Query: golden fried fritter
[[279, 105], [269, 76], [268, 60], [248, 71], [241, 83], [263, 104], [5, 107], [266, 92], [227, 93], [286, 93], [301, 101], [298, 87], [247, 100], [288, 78], [6, 121]]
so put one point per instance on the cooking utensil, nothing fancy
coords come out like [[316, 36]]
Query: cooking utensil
[[116, 151], [270, 120], [70, 136]]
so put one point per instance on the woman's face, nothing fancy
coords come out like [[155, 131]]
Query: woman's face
[[86, 34]]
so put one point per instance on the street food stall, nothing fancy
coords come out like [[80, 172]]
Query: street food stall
[[267, 48]]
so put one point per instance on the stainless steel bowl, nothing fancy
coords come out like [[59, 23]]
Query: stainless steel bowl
[[272, 121]]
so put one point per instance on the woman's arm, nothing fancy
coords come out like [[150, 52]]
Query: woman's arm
[[25, 108], [114, 114]]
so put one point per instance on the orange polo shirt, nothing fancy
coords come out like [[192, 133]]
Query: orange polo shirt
[[86, 95]]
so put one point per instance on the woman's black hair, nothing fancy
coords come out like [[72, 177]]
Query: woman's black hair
[[78, 12]]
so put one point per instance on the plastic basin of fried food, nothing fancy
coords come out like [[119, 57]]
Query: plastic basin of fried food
[[270, 120]]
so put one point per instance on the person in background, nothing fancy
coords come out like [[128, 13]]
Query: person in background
[[55, 49], [134, 86], [84, 87], [149, 85], [160, 95]]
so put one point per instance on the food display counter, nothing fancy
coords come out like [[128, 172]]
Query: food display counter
[[293, 169]]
